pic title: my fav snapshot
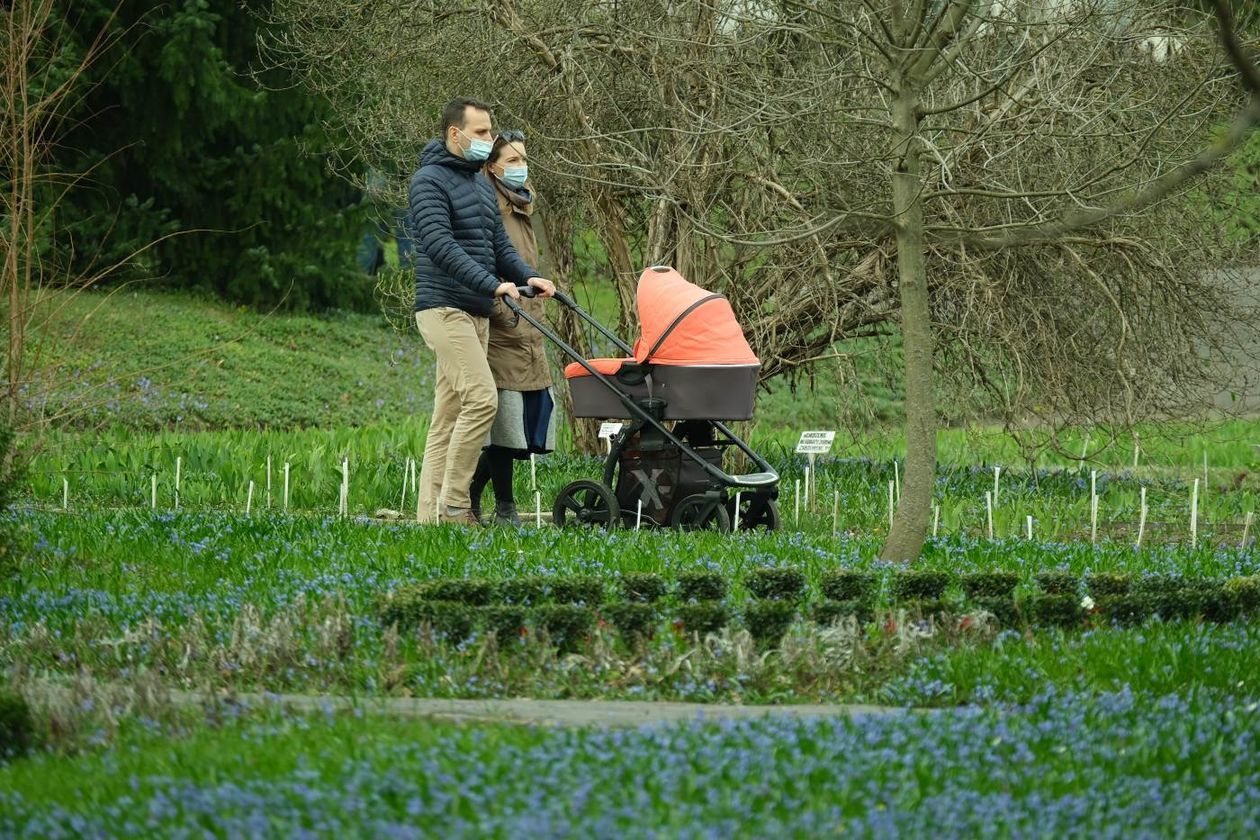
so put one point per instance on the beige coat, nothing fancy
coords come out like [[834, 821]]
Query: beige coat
[[517, 351]]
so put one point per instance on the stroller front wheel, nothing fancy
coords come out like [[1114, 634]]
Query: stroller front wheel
[[701, 512], [587, 504]]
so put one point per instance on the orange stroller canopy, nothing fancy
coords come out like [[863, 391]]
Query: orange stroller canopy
[[683, 324]]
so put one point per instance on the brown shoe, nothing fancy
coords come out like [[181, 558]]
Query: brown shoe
[[464, 518]]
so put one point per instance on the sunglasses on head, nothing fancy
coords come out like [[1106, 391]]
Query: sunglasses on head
[[513, 135]]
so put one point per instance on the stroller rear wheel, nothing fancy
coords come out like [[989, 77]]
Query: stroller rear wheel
[[756, 512], [701, 512], [587, 504]]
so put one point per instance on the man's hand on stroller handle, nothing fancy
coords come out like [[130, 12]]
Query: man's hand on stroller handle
[[538, 287]]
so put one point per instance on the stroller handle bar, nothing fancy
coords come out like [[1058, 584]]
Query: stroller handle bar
[[631, 406]]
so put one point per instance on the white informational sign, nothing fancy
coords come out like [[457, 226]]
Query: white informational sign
[[608, 431], [815, 443]]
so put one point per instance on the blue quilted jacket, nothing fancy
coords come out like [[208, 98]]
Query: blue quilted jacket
[[461, 247]]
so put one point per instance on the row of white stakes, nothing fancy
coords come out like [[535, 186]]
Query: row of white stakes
[[894, 498], [991, 501]]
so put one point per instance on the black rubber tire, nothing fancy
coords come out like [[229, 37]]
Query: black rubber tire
[[700, 513], [757, 512], [587, 504]]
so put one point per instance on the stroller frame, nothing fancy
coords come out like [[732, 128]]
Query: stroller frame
[[713, 507]]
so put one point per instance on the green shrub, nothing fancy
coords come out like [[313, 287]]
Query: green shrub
[[1108, 584], [701, 586], [505, 621], [400, 607], [526, 591], [1059, 583], [1126, 609], [1244, 595], [567, 625], [990, 584], [844, 585], [1003, 609], [451, 620], [474, 592], [767, 620], [1047, 610], [827, 613], [635, 622], [704, 616], [642, 587], [924, 607], [17, 727], [577, 589], [776, 584], [919, 585]]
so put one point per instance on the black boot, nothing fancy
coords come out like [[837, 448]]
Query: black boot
[[506, 515], [500, 466], [481, 477]]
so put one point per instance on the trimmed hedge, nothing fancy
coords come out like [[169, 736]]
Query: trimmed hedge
[[17, 727], [919, 585], [776, 584], [456, 608], [768, 620], [635, 622], [701, 586], [704, 616], [643, 587]]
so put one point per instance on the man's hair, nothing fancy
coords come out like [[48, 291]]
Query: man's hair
[[453, 113]]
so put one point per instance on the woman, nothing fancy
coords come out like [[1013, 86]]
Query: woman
[[525, 423]]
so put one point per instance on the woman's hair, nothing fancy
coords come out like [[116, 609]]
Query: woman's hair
[[502, 139]]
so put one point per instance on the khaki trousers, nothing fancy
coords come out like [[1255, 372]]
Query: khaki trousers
[[464, 407]]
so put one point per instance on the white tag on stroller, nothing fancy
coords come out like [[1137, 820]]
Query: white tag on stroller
[[815, 443], [608, 431]]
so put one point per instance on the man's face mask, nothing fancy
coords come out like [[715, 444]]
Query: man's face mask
[[478, 150]]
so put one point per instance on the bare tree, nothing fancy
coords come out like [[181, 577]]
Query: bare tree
[[1010, 181]]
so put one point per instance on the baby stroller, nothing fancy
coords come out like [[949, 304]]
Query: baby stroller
[[690, 370]]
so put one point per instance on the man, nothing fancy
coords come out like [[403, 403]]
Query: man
[[463, 261]]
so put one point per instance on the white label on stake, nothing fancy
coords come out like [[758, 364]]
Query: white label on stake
[[815, 443], [608, 431]]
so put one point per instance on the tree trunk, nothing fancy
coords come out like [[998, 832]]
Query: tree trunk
[[558, 236], [910, 523], [610, 219]]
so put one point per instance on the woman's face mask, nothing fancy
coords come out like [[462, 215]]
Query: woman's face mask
[[515, 176]]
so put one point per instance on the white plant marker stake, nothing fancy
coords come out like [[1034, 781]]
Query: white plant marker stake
[[936, 520], [1246, 528], [1093, 519], [997, 474], [1141, 518], [286, 486], [809, 484], [65, 494], [638, 514], [835, 514], [1030, 528], [738, 498], [988, 509], [892, 502], [1194, 515], [538, 509], [345, 486], [402, 502], [1093, 506], [249, 500], [533, 472], [1137, 450], [179, 463], [1085, 446], [412, 467], [1205, 473], [153, 491], [796, 505], [268, 482], [897, 478]]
